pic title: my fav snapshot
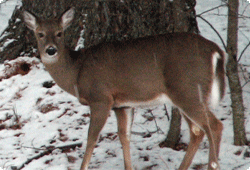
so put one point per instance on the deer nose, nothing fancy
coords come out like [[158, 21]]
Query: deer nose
[[51, 50]]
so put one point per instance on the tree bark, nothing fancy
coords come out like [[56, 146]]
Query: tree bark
[[173, 136], [232, 73], [122, 20]]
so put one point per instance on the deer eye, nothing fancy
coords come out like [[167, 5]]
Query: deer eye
[[40, 35], [59, 34]]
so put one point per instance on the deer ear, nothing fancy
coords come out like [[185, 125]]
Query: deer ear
[[30, 20], [67, 18]]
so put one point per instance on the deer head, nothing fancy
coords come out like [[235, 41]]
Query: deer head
[[49, 34]]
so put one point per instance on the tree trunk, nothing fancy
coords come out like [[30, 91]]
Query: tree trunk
[[121, 20], [232, 73], [173, 136]]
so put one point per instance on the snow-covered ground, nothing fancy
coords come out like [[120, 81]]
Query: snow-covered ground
[[36, 115]]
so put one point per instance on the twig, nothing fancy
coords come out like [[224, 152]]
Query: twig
[[166, 112], [199, 15], [48, 150], [5, 167], [239, 166], [164, 162], [157, 127], [212, 9], [144, 134], [15, 114], [16, 124], [241, 54], [245, 83], [31, 147], [246, 78], [224, 45], [245, 9]]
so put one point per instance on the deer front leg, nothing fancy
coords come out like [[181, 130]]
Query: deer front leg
[[99, 115], [124, 121]]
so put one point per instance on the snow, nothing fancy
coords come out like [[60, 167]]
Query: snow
[[6, 9], [30, 128]]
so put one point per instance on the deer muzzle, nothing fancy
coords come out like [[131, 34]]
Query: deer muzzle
[[51, 51]]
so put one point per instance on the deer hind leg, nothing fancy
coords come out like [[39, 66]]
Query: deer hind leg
[[205, 120], [124, 121], [196, 136], [215, 137]]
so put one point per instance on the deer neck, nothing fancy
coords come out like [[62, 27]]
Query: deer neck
[[65, 70]]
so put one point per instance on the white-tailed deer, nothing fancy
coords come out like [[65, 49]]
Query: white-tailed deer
[[183, 68]]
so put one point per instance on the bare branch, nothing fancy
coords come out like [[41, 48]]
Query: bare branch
[[212, 9], [166, 112], [157, 127], [241, 54], [224, 45], [244, 9], [48, 150]]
